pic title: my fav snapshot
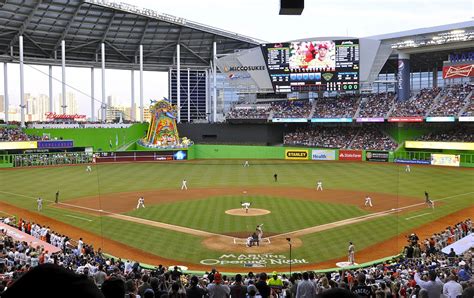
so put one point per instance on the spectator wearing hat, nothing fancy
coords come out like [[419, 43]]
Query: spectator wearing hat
[[463, 274], [194, 290], [275, 283], [216, 289]]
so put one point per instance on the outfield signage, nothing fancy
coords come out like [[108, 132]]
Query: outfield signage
[[350, 155], [321, 154], [405, 119], [440, 119], [18, 145], [296, 154], [376, 156], [458, 71], [290, 120], [330, 120], [466, 119], [252, 260], [449, 160], [439, 145], [55, 144], [412, 161], [370, 120], [54, 116]]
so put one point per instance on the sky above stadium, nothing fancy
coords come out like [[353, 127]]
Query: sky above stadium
[[258, 19]]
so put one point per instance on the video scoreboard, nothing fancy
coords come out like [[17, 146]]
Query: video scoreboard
[[328, 65]]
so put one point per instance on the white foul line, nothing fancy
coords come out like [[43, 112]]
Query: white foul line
[[423, 214], [81, 218]]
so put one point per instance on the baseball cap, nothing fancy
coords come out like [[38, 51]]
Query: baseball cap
[[323, 46], [217, 277]]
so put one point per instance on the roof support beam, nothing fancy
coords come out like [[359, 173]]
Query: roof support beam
[[66, 30], [118, 51], [160, 49], [7, 33], [83, 45], [142, 38], [194, 53], [104, 36], [25, 25], [46, 54]]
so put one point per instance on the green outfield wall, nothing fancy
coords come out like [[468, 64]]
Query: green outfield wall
[[98, 138]]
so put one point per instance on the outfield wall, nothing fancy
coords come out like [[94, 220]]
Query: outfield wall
[[100, 139]]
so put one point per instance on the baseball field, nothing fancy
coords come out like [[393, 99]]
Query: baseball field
[[194, 228]]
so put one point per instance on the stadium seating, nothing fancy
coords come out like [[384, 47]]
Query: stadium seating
[[418, 105], [460, 133], [376, 105], [341, 138], [394, 278], [336, 107], [12, 134], [452, 101]]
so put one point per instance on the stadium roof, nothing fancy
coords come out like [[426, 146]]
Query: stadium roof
[[84, 25]]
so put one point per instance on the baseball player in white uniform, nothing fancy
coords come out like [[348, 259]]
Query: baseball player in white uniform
[[246, 206], [141, 202], [407, 169], [246, 164], [319, 185], [351, 252], [39, 201], [88, 169], [368, 201], [184, 185]]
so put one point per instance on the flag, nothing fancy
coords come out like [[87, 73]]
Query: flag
[[110, 143], [116, 140]]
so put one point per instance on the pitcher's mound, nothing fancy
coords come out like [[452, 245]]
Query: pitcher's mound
[[251, 212]]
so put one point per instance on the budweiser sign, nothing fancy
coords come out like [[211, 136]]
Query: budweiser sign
[[458, 71], [54, 116]]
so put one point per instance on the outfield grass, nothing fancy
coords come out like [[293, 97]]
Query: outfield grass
[[20, 187]]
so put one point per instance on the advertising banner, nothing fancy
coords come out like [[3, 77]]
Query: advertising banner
[[449, 160], [296, 154], [412, 161], [18, 145], [370, 120], [331, 120], [376, 156], [405, 119], [439, 145], [301, 120], [440, 119], [350, 155], [466, 119], [126, 156], [323, 154], [458, 71], [403, 79], [55, 144]]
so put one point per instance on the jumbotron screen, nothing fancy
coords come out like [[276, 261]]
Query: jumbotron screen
[[323, 65]]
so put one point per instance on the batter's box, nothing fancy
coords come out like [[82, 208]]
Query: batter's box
[[241, 241]]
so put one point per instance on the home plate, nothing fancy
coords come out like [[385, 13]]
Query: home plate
[[345, 264]]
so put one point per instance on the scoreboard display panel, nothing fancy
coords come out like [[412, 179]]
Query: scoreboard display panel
[[322, 65]]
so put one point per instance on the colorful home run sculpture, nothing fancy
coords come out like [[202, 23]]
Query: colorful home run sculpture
[[163, 132]]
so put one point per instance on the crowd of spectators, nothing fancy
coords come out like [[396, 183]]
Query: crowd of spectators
[[336, 107], [422, 270], [460, 133], [340, 137], [323, 137], [372, 138], [15, 134], [376, 105], [453, 101], [292, 109], [43, 159], [249, 111], [419, 105]]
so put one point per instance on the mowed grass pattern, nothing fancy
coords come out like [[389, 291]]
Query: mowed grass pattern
[[286, 214], [20, 187]]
